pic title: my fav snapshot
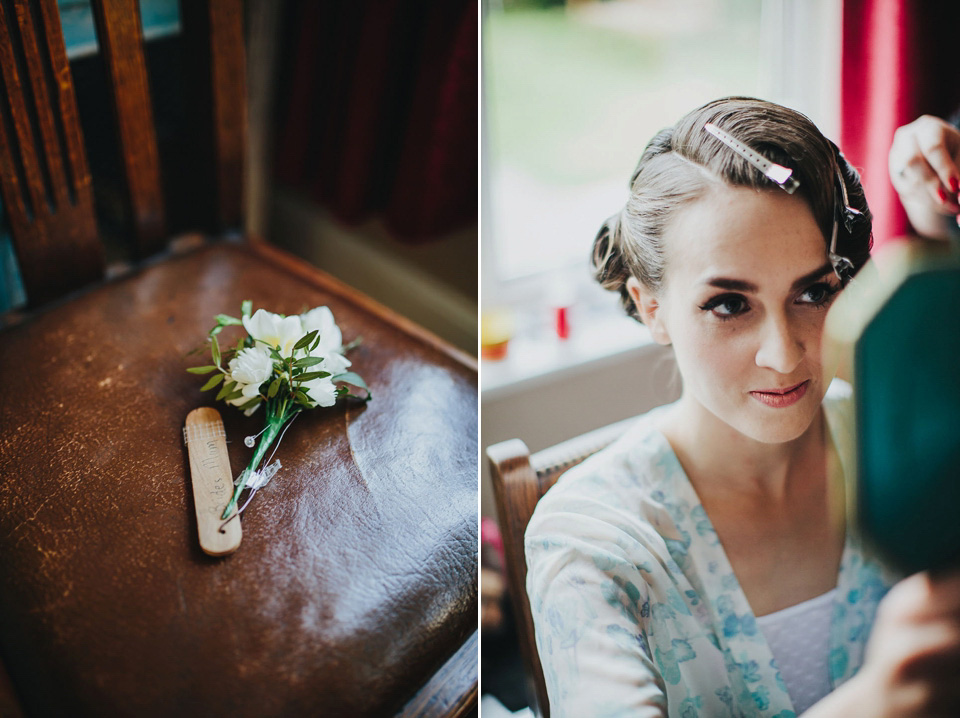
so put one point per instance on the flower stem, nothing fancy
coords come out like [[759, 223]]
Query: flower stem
[[275, 424]]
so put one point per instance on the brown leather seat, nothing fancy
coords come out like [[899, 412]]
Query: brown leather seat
[[353, 583], [354, 590]]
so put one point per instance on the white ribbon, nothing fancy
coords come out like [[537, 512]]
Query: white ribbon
[[259, 479]]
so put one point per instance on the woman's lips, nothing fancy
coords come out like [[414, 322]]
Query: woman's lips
[[779, 398]]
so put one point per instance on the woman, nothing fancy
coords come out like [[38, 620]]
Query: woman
[[702, 565]]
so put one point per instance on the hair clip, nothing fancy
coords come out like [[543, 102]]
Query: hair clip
[[783, 176], [849, 213], [842, 266]]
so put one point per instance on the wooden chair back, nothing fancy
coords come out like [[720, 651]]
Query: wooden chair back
[[519, 481], [44, 173]]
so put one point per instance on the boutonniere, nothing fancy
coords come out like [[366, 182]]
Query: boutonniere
[[287, 364]]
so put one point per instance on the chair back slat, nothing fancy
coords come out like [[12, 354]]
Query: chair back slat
[[44, 177], [228, 70], [41, 83], [213, 39], [517, 490], [121, 44], [519, 482]]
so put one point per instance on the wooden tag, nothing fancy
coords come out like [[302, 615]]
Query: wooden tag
[[212, 484]]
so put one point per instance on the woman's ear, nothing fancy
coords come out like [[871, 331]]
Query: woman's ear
[[648, 307]]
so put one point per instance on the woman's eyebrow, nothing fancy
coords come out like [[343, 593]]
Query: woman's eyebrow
[[810, 276], [738, 285], [742, 285]]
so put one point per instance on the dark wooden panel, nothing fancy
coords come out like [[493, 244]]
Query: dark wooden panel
[[43, 169], [121, 44], [452, 692], [9, 703]]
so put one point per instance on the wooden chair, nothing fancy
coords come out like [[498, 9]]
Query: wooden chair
[[519, 481], [355, 589]]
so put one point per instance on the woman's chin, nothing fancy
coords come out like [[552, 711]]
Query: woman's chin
[[776, 426], [776, 432]]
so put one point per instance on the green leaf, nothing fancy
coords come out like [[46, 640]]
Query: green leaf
[[228, 386], [355, 380], [316, 343], [246, 307], [226, 321], [310, 375], [274, 388], [234, 395], [301, 396], [308, 361], [215, 350], [253, 402], [216, 330], [202, 369], [305, 339], [214, 380], [353, 345], [274, 354]]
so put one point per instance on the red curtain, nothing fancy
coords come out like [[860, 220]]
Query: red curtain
[[379, 111], [901, 59]]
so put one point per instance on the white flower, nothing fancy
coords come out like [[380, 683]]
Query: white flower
[[251, 366], [331, 340], [249, 369], [274, 330], [320, 392]]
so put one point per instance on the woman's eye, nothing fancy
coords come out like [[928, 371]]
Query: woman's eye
[[819, 294], [726, 306]]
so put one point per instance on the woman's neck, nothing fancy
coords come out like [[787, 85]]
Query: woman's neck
[[719, 460]]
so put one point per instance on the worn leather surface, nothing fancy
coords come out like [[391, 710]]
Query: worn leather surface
[[356, 578]]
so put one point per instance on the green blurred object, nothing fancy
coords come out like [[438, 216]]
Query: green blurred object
[[904, 330]]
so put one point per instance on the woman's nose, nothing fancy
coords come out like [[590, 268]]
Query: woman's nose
[[781, 347]]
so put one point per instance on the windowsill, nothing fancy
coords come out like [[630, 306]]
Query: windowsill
[[539, 358]]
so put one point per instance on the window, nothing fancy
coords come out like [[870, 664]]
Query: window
[[573, 91]]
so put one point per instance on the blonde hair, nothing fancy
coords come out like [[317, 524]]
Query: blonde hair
[[680, 162]]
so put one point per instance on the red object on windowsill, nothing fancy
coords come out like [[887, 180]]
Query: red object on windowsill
[[561, 323]]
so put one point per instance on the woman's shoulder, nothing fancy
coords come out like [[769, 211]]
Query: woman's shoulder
[[613, 490], [637, 460]]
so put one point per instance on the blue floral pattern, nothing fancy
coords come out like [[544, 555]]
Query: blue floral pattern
[[637, 610]]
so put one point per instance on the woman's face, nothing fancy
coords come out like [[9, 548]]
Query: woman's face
[[746, 289]]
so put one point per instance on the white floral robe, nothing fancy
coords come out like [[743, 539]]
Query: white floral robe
[[637, 610]]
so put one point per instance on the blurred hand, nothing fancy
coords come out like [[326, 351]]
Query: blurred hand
[[913, 657], [912, 665], [924, 165]]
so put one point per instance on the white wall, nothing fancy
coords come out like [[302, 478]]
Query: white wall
[[566, 404], [434, 284]]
